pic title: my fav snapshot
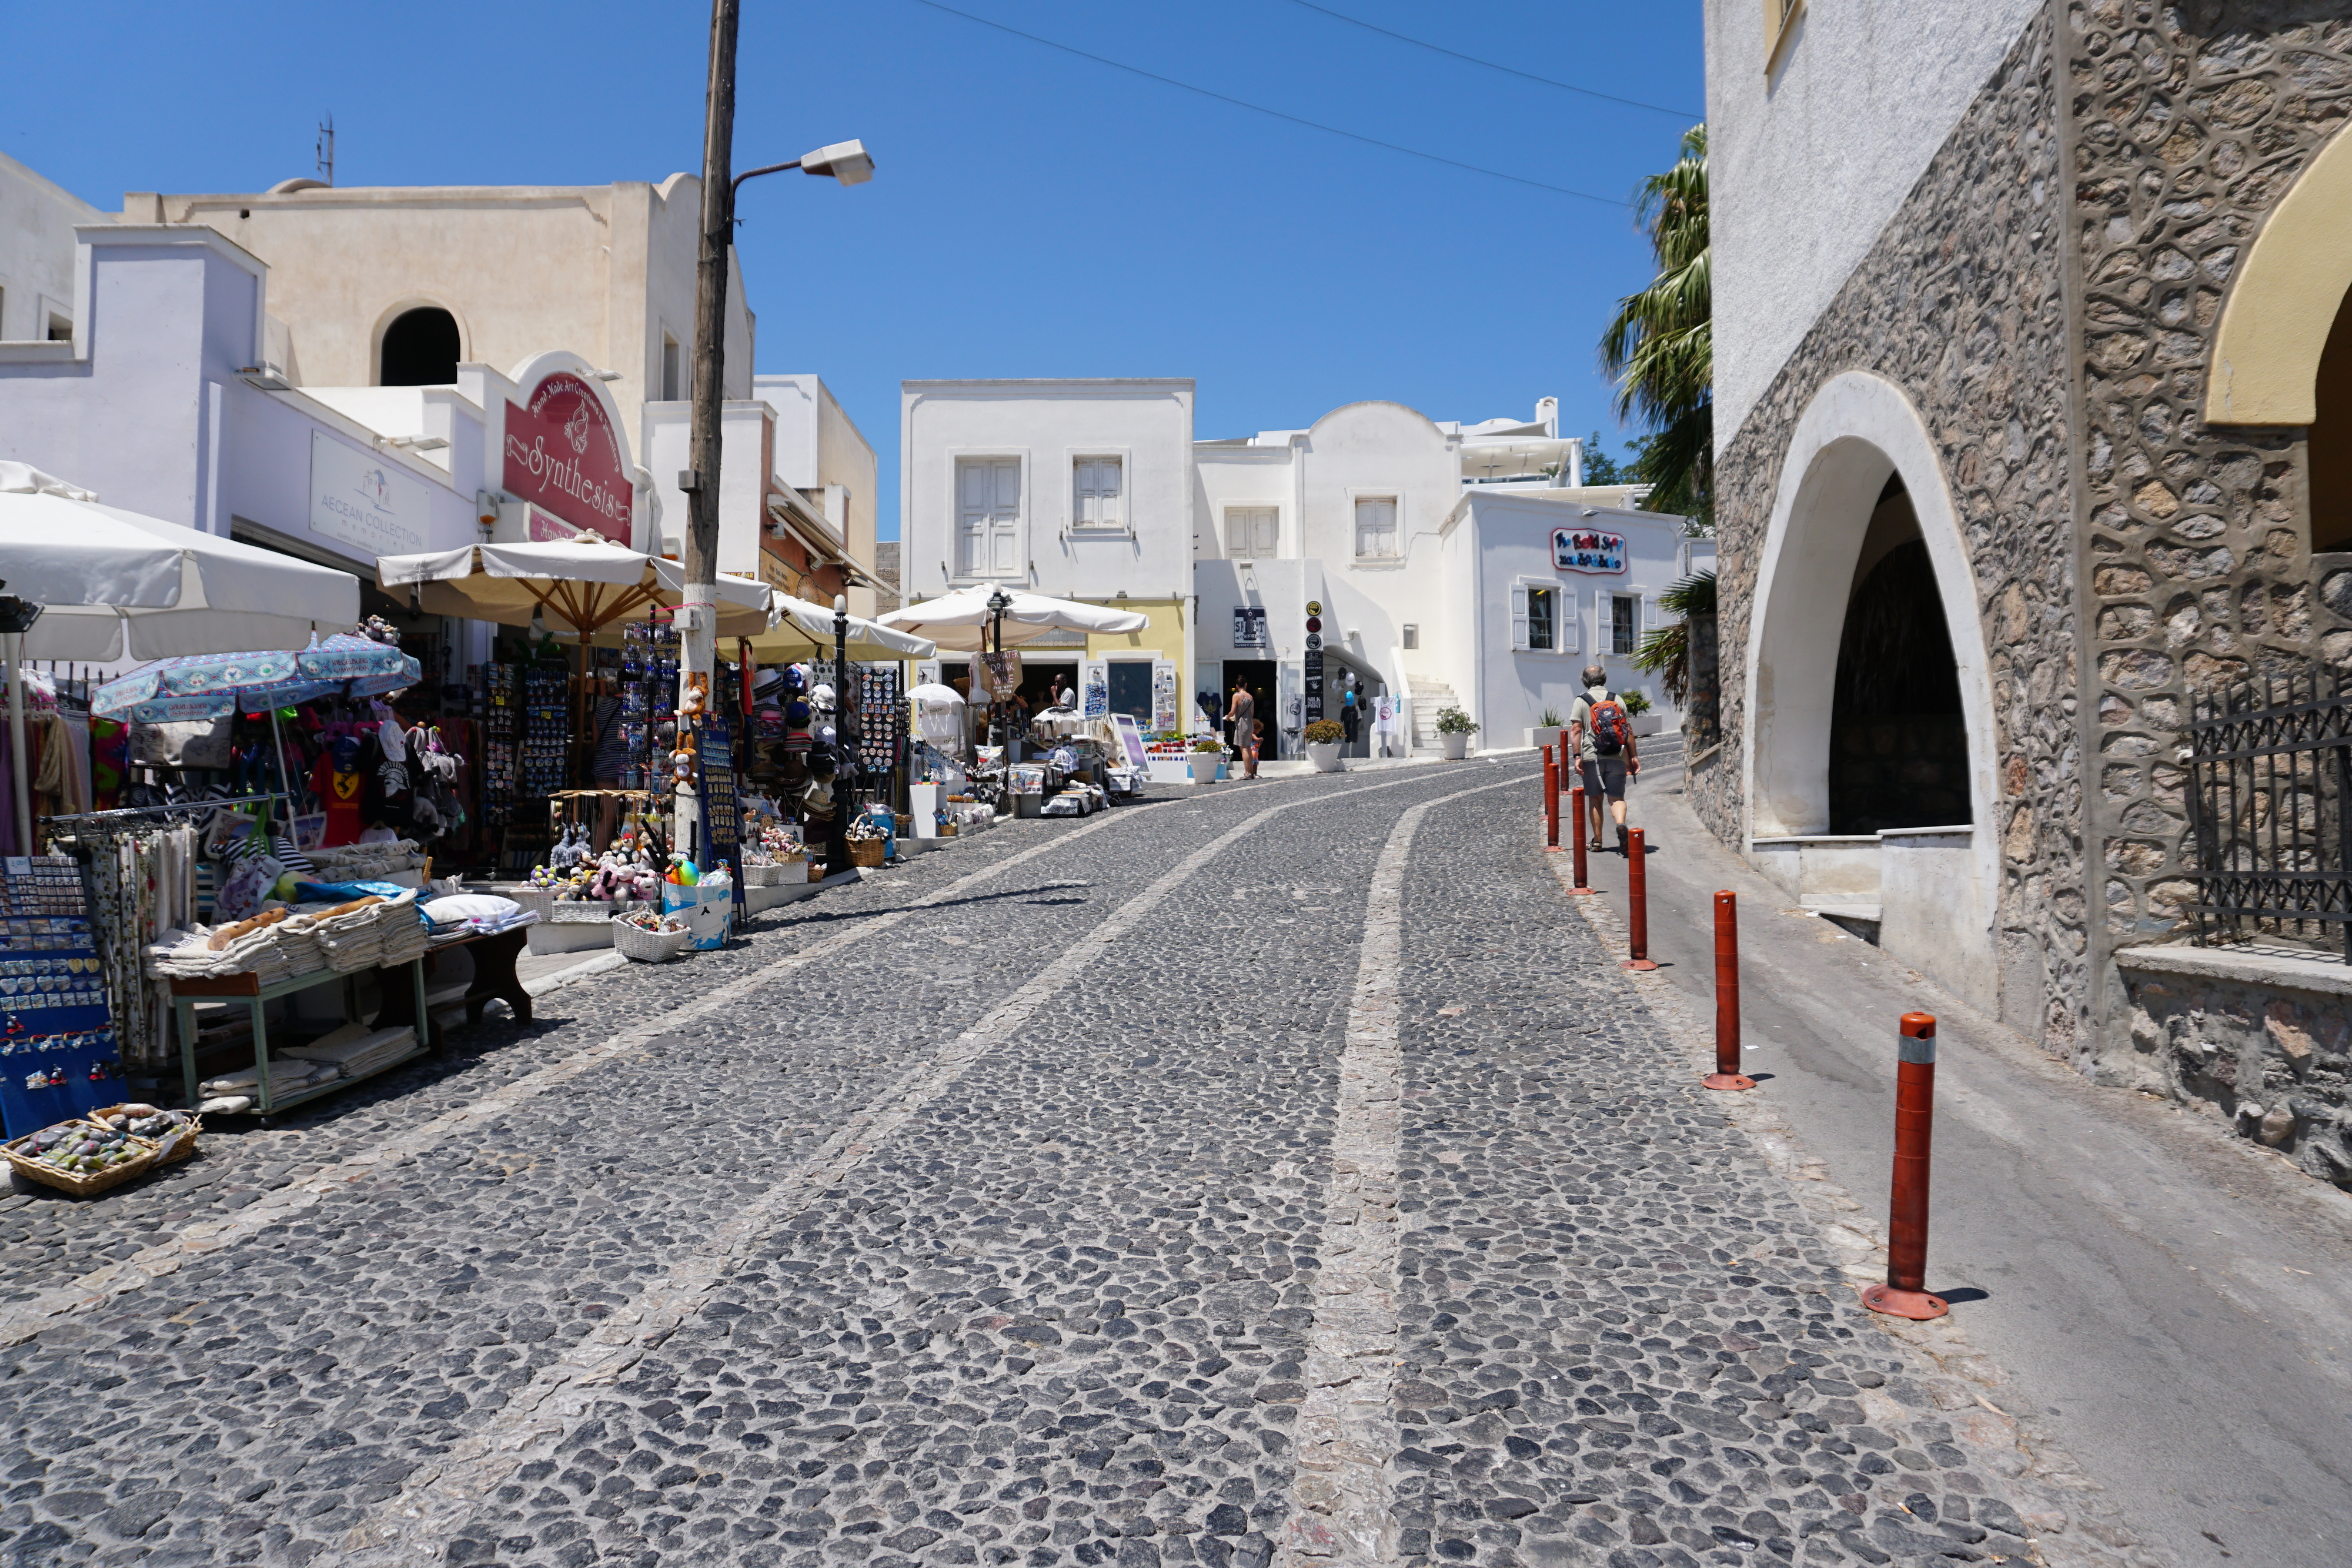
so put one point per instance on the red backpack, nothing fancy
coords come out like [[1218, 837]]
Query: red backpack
[[1605, 719]]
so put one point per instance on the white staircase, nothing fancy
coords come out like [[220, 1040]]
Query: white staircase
[[1428, 697]]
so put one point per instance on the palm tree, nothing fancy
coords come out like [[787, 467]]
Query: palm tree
[[1666, 652], [1660, 346]]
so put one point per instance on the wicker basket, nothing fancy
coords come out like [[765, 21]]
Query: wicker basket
[[643, 947], [816, 871], [190, 1125], [867, 852], [75, 1182], [769, 876]]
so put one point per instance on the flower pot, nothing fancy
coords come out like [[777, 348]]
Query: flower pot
[[1454, 745], [1204, 765], [1325, 755], [1543, 735], [1647, 722]]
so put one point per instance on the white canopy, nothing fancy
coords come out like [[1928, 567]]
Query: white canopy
[[578, 586], [803, 629], [120, 586], [962, 620]]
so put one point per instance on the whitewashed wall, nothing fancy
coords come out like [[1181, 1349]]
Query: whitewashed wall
[[1807, 165], [36, 250], [1046, 426]]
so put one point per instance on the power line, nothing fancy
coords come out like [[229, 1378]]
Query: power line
[[1506, 71], [1275, 113]]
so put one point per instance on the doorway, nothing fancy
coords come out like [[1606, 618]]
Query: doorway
[[1898, 742], [1258, 675]]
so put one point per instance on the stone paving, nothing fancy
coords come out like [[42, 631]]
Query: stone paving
[[995, 1231]]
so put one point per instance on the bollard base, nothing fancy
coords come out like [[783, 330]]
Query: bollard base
[[1583, 892], [1554, 850], [1637, 964], [1727, 1080], [1917, 1305]]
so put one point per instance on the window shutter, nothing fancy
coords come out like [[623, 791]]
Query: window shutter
[[1519, 615], [1266, 543], [1238, 530]]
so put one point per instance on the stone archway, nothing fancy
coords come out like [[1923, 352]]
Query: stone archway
[[1934, 886], [2274, 325]]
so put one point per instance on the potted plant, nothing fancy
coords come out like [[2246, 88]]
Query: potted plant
[[1208, 757], [1637, 710], [1324, 739], [1546, 729], [1455, 729]]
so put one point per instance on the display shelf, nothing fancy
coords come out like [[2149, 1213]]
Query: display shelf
[[248, 988]]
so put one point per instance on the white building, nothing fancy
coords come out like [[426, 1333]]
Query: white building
[[37, 277], [1432, 553]]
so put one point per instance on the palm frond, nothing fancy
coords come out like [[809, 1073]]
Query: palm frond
[[1659, 346]]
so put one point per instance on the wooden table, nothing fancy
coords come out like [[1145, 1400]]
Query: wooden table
[[494, 954], [186, 993]]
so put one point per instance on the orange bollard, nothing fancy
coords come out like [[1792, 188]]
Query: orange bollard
[[1575, 837], [1637, 901], [1726, 1073], [1904, 1294], [1551, 802]]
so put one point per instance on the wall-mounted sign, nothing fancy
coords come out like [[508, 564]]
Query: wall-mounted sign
[[366, 502], [563, 454], [1249, 626], [1581, 550]]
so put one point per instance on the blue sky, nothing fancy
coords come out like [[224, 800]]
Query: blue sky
[[1032, 213]]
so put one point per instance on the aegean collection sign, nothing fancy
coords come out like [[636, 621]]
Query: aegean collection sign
[[365, 502]]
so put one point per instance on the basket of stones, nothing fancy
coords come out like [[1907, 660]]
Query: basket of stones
[[81, 1157], [157, 1127], [649, 937]]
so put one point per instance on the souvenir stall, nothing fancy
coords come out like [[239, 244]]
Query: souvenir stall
[[942, 803]]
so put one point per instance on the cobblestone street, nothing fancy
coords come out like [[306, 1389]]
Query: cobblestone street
[[1284, 1174]]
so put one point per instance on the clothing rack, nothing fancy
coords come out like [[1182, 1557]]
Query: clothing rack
[[116, 817]]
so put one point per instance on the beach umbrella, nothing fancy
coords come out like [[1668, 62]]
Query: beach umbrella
[[964, 621], [210, 686]]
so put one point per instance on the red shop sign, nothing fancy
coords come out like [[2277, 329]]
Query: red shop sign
[[563, 455]]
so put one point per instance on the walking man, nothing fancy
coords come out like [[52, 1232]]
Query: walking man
[[1243, 717], [1606, 753]]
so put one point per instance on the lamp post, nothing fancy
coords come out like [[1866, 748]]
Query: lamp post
[[847, 162], [16, 618], [844, 726], [999, 601]]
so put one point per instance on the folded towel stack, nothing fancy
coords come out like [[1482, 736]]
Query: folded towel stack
[[287, 1075], [356, 1051], [366, 862]]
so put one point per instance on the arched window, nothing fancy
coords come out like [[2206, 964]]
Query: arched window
[[420, 349]]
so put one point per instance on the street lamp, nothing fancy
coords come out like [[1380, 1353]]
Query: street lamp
[[999, 601], [841, 701], [847, 161]]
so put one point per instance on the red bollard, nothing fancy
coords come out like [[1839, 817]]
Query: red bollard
[[1551, 802], [1637, 901], [1904, 1295], [1575, 837], [1726, 1073]]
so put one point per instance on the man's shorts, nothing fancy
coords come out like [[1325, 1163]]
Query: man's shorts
[[1603, 775]]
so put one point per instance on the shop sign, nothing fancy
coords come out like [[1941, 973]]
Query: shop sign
[[776, 573], [1594, 554], [365, 502], [1249, 626], [563, 454]]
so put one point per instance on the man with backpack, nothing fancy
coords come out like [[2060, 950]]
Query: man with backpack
[[1606, 753]]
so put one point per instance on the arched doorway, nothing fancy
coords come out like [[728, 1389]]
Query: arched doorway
[[1898, 746], [420, 349], [1869, 711], [2330, 443]]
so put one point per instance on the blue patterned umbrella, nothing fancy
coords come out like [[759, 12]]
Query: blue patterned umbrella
[[209, 686]]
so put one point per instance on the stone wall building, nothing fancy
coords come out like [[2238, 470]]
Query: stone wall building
[[2033, 424]]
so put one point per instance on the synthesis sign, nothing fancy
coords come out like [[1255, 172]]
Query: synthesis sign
[[1580, 550], [564, 455], [371, 504]]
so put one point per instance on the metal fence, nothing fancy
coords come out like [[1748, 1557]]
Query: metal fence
[[2270, 809]]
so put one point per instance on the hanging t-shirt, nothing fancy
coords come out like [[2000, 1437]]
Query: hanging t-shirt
[[339, 791]]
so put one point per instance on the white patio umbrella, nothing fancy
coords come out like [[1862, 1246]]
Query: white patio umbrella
[[963, 622], [115, 585], [803, 629], [580, 585]]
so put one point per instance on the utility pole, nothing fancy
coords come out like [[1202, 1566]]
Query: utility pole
[[699, 607]]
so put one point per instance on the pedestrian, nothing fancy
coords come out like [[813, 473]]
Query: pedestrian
[[1257, 745], [1349, 718], [1605, 754], [1243, 717]]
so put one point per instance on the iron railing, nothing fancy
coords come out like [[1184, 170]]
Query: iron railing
[[2270, 809]]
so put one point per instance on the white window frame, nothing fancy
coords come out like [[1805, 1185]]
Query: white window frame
[[1231, 508], [1072, 526], [1565, 635], [956, 457], [1396, 498], [1605, 617]]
